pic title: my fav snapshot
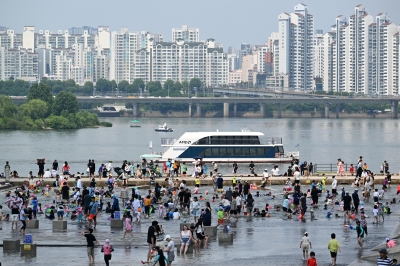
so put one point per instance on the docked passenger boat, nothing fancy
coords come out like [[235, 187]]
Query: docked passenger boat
[[164, 128], [240, 147]]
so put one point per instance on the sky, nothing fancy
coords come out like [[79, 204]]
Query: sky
[[229, 22]]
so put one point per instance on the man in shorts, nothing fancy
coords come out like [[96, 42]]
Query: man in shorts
[[90, 244], [347, 207], [170, 249], [234, 208], [93, 211], [333, 247], [151, 240]]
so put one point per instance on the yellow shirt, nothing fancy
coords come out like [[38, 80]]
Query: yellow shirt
[[197, 181], [333, 245]]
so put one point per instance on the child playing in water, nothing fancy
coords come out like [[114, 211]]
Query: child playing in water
[[323, 181], [128, 227]]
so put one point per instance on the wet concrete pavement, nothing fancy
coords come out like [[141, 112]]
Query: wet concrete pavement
[[257, 241]]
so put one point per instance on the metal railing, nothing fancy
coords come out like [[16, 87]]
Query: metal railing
[[167, 141], [329, 167]]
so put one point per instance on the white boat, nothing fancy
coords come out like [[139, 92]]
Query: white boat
[[240, 147], [164, 128]]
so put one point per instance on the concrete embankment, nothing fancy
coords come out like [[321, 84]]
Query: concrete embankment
[[276, 180]]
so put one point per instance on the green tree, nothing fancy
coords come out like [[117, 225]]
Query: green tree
[[69, 83], [41, 92], [7, 107], [35, 109], [178, 86], [65, 101], [136, 85], [122, 85], [169, 84], [195, 83], [102, 86], [154, 86], [185, 86]]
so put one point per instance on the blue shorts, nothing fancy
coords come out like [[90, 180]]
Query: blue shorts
[[185, 241], [227, 208], [196, 213]]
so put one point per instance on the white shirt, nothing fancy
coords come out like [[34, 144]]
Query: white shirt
[[79, 183], [265, 174], [171, 246], [54, 173], [297, 175], [376, 194], [170, 183], [136, 204], [176, 216], [225, 202], [334, 184], [238, 201], [195, 205], [275, 171], [47, 174]]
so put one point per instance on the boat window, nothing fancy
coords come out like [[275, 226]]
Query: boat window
[[222, 140], [254, 140], [230, 151], [214, 151], [238, 151], [261, 151], [214, 140], [253, 151], [281, 149], [202, 153], [246, 151], [276, 149], [203, 141], [222, 151], [207, 153]]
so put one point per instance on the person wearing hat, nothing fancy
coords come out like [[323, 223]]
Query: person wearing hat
[[383, 259], [170, 249], [107, 249], [305, 244]]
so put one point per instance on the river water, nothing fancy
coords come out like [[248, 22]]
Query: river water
[[320, 141]]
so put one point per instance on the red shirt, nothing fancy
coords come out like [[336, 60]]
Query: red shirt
[[312, 262]]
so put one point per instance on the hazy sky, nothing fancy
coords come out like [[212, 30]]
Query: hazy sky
[[229, 22]]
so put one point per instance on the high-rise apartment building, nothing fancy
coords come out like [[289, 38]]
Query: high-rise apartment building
[[124, 45], [296, 33], [186, 34]]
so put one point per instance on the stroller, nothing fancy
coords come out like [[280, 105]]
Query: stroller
[[118, 170]]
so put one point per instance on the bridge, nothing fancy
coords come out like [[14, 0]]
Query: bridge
[[328, 102]]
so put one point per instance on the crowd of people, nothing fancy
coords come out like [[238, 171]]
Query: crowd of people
[[174, 200]]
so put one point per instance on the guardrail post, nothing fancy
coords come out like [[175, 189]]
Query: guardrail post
[[234, 109], [331, 168], [190, 110]]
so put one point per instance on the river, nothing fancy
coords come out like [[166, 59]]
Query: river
[[320, 140]]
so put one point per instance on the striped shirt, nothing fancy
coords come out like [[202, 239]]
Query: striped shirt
[[384, 262]]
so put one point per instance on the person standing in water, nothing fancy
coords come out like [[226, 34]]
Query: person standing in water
[[305, 244], [90, 244], [333, 247]]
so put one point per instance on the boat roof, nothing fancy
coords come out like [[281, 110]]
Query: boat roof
[[219, 133], [150, 156]]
